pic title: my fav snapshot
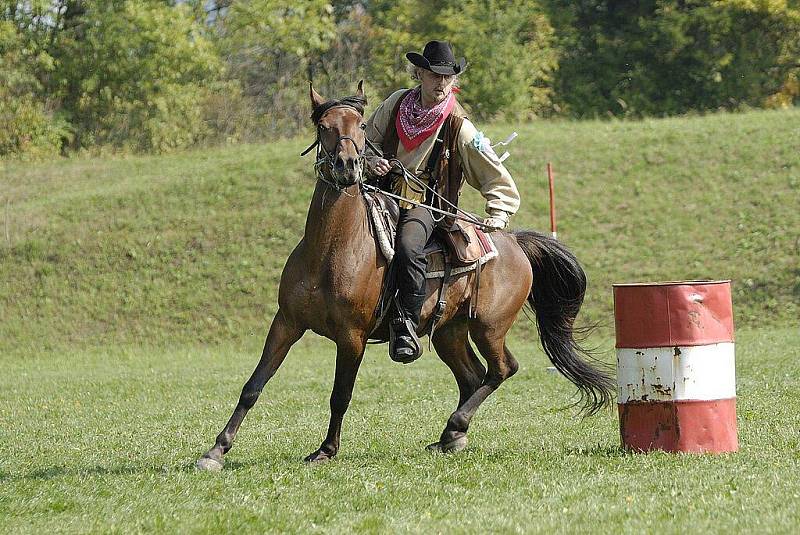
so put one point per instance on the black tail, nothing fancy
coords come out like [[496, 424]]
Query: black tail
[[559, 284]]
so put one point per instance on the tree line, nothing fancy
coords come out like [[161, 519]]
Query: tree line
[[158, 75]]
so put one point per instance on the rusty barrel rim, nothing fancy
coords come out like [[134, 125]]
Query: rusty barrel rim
[[696, 282]]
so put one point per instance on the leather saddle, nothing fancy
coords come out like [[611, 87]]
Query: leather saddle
[[462, 249], [464, 245]]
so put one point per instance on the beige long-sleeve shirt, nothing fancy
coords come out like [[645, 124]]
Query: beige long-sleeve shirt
[[482, 169]]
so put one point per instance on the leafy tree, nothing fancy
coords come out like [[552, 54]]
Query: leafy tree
[[134, 74], [348, 59], [156, 75], [269, 47], [399, 28], [27, 126], [672, 56]]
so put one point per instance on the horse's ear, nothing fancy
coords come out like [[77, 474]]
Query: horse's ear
[[317, 100], [360, 92]]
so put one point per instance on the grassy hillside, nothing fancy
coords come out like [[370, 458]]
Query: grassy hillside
[[189, 247]]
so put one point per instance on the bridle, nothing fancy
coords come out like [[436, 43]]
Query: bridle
[[326, 158]]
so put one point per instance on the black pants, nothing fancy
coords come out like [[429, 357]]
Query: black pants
[[414, 232]]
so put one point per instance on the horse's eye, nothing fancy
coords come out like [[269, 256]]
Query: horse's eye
[[363, 126]]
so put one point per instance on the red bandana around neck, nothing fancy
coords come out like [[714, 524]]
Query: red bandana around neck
[[415, 123]]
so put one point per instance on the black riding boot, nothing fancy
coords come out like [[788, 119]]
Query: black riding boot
[[414, 231], [404, 344]]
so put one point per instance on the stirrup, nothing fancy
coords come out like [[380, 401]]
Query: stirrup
[[400, 326]]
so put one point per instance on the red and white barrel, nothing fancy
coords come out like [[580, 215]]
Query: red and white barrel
[[675, 366]]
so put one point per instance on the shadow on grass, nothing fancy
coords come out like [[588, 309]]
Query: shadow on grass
[[54, 472], [598, 450], [355, 458]]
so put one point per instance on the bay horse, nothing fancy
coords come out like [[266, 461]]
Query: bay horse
[[332, 282]]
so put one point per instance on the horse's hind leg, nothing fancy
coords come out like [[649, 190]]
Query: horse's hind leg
[[501, 366], [349, 352], [452, 345], [280, 338]]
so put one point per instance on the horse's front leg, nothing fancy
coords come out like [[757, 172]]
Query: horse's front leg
[[280, 338], [349, 352]]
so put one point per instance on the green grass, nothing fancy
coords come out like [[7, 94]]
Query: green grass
[[135, 293], [105, 441]]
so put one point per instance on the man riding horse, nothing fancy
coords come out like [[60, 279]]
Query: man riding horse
[[428, 131], [332, 282]]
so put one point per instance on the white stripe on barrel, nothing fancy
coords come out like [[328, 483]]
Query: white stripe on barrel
[[676, 373], [676, 367]]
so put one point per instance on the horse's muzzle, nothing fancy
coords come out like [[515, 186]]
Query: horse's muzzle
[[348, 171]]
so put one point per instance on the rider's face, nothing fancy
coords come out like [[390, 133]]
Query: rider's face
[[435, 87]]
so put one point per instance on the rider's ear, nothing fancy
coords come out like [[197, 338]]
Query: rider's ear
[[360, 92], [316, 99]]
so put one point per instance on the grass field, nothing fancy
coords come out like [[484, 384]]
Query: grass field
[[135, 293], [104, 441]]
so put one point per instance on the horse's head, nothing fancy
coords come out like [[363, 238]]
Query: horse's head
[[340, 136]]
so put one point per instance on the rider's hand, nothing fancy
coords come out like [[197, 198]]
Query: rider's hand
[[381, 166], [497, 220]]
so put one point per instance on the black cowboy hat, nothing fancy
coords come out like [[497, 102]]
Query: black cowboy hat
[[438, 57]]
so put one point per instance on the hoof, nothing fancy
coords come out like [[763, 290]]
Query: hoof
[[207, 464], [453, 446], [318, 457]]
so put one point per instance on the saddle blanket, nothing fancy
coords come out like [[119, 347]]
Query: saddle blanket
[[384, 221]]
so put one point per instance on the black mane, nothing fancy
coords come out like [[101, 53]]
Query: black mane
[[355, 102]]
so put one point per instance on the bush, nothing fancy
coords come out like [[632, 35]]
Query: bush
[[509, 44], [158, 75], [672, 56], [135, 74], [269, 47], [27, 130]]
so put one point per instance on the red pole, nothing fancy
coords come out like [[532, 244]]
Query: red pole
[[552, 201]]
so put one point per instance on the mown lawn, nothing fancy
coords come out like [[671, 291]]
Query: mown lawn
[[105, 441]]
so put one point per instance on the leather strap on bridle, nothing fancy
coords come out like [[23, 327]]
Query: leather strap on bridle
[[325, 156], [313, 144], [318, 142]]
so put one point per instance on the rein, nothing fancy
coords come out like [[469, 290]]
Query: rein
[[408, 176]]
